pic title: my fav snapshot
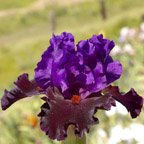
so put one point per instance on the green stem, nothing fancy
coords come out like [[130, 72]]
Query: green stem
[[73, 139]]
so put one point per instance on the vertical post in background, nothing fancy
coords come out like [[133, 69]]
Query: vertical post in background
[[103, 9], [52, 17], [52, 20]]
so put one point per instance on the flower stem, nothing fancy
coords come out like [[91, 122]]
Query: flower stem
[[73, 139]]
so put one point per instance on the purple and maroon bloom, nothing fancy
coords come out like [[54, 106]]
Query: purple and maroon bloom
[[76, 82]]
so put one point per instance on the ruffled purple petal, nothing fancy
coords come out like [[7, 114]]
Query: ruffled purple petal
[[95, 80], [50, 70], [96, 47], [25, 88], [113, 71], [99, 68], [65, 40], [104, 46], [58, 113], [131, 100], [82, 70]]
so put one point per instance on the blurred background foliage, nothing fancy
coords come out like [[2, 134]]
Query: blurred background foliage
[[25, 29]]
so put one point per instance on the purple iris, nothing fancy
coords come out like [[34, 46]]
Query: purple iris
[[82, 69], [75, 80]]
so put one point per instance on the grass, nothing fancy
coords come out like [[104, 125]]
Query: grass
[[9, 4], [73, 17]]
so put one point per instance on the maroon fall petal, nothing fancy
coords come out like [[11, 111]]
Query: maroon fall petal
[[23, 83], [58, 113], [131, 100], [25, 88]]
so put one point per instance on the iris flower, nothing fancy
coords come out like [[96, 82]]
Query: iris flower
[[76, 82]]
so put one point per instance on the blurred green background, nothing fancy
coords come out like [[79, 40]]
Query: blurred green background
[[25, 29]]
